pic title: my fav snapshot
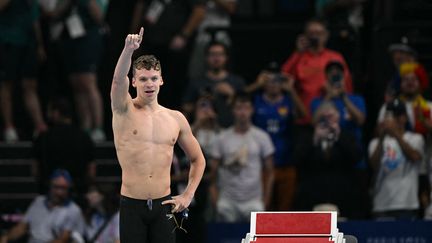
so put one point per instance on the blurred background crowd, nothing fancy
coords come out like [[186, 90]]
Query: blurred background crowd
[[297, 105]]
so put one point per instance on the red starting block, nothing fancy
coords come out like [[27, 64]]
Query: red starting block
[[290, 227]]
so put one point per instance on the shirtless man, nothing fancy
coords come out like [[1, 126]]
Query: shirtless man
[[144, 136]]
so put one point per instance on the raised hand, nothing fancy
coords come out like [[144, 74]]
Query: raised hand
[[133, 41]]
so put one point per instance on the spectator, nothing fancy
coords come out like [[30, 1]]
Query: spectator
[[419, 113], [65, 146], [205, 126], [51, 218], [307, 64], [217, 18], [395, 155], [326, 162], [352, 108], [169, 27], [417, 107], [218, 81], [241, 157], [405, 60], [275, 113], [21, 47], [102, 215], [82, 47]]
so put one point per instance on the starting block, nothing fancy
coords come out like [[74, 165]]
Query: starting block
[[290, 227]]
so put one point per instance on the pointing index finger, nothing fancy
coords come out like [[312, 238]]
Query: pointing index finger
[[141, 32]]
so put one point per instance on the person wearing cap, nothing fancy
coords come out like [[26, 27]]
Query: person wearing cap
[[50, 218], [395, 156], [402, 53], [351, 107]]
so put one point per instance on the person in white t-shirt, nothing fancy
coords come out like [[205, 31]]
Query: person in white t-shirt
[[395, 156], [419, 113], [241, 167]]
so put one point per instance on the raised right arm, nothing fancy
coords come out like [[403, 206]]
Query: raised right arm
[[120, 83]]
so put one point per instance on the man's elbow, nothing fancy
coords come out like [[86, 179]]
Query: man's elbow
[[199, 161]]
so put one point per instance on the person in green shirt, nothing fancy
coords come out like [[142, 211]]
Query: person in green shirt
[[20, 47], [81, 43]]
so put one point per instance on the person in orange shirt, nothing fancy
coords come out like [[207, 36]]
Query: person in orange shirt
[[307, 64]]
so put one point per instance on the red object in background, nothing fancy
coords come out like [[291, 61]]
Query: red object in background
[[294, 224]]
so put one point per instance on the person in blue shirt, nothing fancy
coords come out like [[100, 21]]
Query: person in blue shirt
[[351, 107], [352, 110], [276, 107]]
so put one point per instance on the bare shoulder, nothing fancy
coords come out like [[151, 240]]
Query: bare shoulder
[[178, 117]]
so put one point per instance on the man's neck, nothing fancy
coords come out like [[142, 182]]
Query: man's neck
[[217, 74], [317, 50], [242, 127], [147, 105]]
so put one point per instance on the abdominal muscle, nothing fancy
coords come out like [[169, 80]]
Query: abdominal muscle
[[145, 170]]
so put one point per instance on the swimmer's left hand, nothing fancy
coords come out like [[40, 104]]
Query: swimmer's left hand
[[179, 203]]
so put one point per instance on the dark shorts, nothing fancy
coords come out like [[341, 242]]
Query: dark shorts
[[82, 55], [140, 223], [17, 62]]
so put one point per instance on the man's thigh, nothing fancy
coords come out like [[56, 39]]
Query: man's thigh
[[132, 226], [161, 230]]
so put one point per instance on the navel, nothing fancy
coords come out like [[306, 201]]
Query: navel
[[135, 132], [150, 176]]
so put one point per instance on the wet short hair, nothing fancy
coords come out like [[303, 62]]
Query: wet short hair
[[147, 62]]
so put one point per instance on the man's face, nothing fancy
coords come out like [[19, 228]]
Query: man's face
[[410, 84], [273, 86], [400, 57], [317, 31], [335, 77], [147, 83], [59, 190], [330, 116], [216, 57], [242, 111]]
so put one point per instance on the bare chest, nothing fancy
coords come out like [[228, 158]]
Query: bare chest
[[158, 129]]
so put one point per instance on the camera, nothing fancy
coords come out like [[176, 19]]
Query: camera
[[336, 79], [278, 78], [330, 137], [313, 42]]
